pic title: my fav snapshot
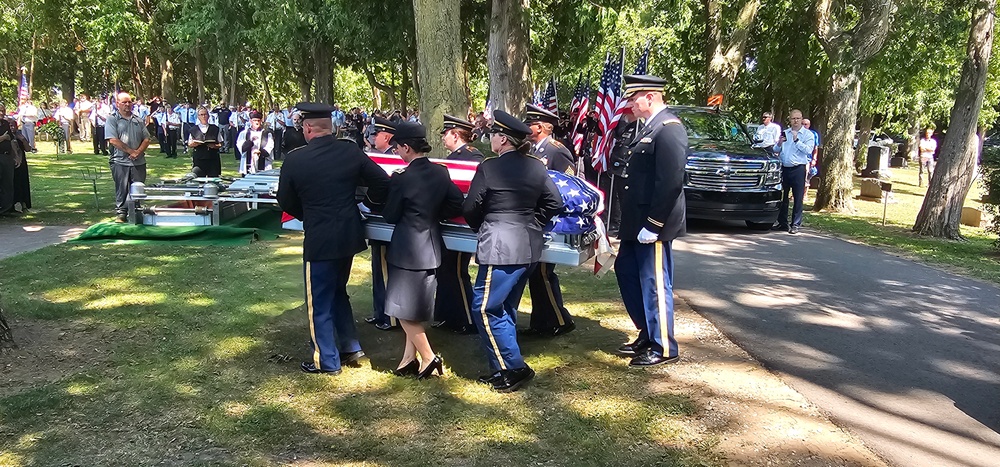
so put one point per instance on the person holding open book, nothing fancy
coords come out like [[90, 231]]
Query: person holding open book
[[206, 139]]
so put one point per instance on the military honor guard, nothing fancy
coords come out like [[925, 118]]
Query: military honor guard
[[205, 140], [453, 305], [256, 146], [317, 185], [509, 202], [549, 316], [384, 130], [653, 216], [420, 197]]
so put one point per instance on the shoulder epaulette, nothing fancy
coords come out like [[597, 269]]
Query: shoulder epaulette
[[293, 150], [557, 143], [671, 120], [539, 159], [399, 171]]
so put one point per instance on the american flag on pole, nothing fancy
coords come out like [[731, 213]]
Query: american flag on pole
[[549, 99], [643, 64], [22, 94], [580, 105], [609, 107]]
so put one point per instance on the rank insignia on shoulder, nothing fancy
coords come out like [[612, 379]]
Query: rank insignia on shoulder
[[399, 171], [671, 120], [556, 143], [646, 140]]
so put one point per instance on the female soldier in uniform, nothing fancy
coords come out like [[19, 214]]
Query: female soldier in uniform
[[510, 200], [420, 197]]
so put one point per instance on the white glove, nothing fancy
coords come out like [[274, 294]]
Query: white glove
[[645, 236]]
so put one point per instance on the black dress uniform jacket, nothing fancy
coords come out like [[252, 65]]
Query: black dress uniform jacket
[[420, 197], [556, 156], [467, 152], [292, 139], [654, 187], [317, 185], [511, 198]]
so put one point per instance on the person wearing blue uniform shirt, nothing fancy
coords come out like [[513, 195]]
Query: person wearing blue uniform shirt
[[317, 185], [453, 305], [795, 148], [420, 197], [653, 215], [383, 134], [510, 200], [549, 316]]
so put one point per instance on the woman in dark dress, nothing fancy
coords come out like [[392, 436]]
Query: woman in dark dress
[[420, 197], [22, 182]]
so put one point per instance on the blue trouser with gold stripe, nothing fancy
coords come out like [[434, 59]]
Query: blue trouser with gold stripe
[[547, 309], [495, 296], [645, 275], [453, 303], [380, 273], [331, 322]]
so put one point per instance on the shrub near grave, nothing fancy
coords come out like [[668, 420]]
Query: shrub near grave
[[991, 180]]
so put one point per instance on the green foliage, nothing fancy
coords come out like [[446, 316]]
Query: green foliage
[[990, 169]]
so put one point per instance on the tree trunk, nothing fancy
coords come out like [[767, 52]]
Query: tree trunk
[[199, 74], [267, 88], [849, 50], [166, 79], [864, 136], [222, 79], [837, 184], [323, 63], [910, 146], [31, 70], [235, 80], [6, 336], [941, 211], [726, 57], [507, 56], [439, 63]]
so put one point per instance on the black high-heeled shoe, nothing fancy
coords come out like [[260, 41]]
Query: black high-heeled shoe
[[436, 364], [410, 369]]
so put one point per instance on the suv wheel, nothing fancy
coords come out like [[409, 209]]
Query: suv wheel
[[759, 225]]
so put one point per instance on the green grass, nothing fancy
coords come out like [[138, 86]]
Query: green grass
[[161, 352], [975, 256]]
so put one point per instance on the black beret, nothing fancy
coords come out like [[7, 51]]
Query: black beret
[[534, 113], [314, 110], [455, 122], [642, 83], [382, 124], [508, 124]]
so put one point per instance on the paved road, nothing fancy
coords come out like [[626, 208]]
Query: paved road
[[905, 356], [16, 239]]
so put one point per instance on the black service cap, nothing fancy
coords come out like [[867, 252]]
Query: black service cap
[[508, 124], [314, 110], [455, 122], [534, 113], [642, 83]]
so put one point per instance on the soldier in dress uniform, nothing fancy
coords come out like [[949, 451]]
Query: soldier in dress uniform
[[510, 200], [549, 316], [652, 217], [453, 306], [317, 185], [384, 129], [420, 197]]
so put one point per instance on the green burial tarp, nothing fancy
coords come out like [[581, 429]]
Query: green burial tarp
[[259, 224]]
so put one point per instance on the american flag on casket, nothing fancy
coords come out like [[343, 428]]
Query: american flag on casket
[[582, 201]]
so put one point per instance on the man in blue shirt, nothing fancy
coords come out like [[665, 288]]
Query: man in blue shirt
[[795, 148]]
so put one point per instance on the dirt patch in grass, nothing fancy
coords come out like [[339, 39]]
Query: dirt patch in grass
[[48, 351], [755, 418]]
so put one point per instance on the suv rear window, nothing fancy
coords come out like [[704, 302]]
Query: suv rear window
[[713, 127]]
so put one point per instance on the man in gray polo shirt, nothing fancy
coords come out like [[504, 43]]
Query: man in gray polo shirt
[[127, 135]]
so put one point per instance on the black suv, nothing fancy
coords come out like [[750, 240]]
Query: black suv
[[726, 177]]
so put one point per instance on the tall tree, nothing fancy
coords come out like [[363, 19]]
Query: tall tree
[[941, 211], [507, 57], [851, 33], [725, 55], [439, 62]]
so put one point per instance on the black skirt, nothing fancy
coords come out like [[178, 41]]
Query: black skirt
[[409, 294]]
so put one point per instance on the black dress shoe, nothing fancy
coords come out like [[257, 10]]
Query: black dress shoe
[[310, 367], [780, 227], [488, 379], [352, 359], [636, 347], [410, 369], [512, 380], [650, 358], [564, 329], [437, 324], [435, 365], [466, 330]]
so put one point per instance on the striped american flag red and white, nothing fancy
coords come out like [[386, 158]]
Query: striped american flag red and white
[[549, 99], [609, 107], [22, 94], [580, 105]]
